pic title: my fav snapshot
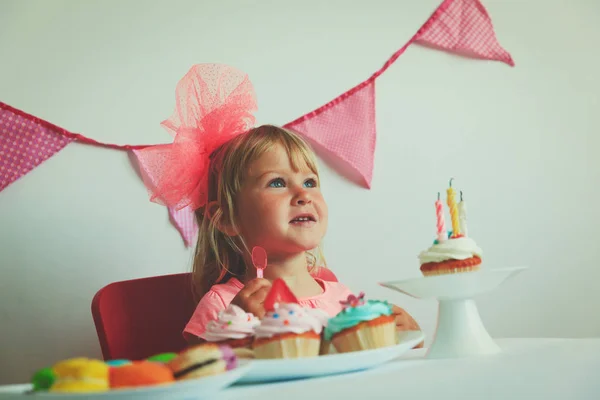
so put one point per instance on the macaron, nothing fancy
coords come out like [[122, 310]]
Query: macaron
[[80, 375], [162, 357], [43, 379], [203, 360], [140, 373], [117, 362]]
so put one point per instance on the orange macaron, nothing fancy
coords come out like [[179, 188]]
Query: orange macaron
[[140, 373]]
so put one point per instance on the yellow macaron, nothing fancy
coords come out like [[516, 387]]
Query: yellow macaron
[[80, 375]]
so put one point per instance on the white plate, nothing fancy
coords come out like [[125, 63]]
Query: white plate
[[453, 286], [180, 390], [295, 368]]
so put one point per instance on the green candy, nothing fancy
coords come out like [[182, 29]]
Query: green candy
[[162, 357], [43, 379]]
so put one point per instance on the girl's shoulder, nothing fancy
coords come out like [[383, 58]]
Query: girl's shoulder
[[333, 287], [227, 289], [324, 273]]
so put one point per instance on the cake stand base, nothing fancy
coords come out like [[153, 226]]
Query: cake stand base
[[460, 331]]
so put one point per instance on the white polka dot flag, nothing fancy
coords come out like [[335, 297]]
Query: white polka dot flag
[[343, 128]]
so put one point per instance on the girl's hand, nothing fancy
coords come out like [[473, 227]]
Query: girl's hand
[[404, 322], [252, 296]]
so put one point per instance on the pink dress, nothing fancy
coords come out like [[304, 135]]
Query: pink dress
[[219, 297]]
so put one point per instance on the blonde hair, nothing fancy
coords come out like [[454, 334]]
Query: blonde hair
[[219, 256]]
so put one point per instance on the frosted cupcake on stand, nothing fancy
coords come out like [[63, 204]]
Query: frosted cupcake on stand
[[454, 253], [459, 332]]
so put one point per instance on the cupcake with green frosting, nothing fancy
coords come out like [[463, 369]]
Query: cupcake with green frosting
[[361, 325]]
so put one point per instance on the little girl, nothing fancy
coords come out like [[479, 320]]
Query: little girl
[[258, 187]]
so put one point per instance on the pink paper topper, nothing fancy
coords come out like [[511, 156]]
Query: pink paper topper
[[259, 259]]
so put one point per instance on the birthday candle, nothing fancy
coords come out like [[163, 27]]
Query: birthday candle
[[462, 215], [441, 223], [453, 211]]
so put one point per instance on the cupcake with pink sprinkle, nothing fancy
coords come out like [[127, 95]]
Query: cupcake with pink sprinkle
[[233, 327]]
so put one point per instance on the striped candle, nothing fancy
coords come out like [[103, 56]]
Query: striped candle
[[441, 223]]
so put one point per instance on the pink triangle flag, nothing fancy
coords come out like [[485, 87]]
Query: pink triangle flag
[[185, 222], [463, 27], [25, 143], [345, 128]]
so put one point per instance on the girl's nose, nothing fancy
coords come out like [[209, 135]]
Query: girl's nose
[[302, 198]]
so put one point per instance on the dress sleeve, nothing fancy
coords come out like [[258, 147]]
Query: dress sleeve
[[207, 310]]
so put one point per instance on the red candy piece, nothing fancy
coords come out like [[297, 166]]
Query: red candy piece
[[279, 293]]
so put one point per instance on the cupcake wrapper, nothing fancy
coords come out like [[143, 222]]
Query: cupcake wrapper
[[324, 347], [288, 346], [446, 271], [366, 336], [243, 352]]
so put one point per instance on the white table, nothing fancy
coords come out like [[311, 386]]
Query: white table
[[526, 369]]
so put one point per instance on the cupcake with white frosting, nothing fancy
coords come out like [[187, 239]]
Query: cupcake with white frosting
[[233, 327], [288, 331], [455, 255]]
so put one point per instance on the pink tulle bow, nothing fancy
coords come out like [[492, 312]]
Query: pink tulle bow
[[215, 102]]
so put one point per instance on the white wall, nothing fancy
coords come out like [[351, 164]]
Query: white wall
[[521, 142]]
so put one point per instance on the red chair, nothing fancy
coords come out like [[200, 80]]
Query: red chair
[[138, 318]]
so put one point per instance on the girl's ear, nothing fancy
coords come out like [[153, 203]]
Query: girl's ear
[[215, 214]]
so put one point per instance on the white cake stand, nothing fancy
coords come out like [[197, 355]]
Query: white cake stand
[[460, 331]]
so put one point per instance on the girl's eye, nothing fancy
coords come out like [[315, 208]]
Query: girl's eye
[[277, 183], [310, 183]]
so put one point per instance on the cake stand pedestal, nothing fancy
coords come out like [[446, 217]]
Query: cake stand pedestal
[[460, 331]]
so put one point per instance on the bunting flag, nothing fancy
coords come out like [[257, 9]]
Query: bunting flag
[[343, 128], [185, 222], [25, 143], [464, 27]]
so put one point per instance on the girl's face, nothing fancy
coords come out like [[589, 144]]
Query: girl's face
[[280, 209]]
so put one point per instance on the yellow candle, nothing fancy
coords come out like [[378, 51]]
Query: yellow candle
[[453, 211]]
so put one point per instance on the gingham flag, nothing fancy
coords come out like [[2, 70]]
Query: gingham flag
[[464, 27]]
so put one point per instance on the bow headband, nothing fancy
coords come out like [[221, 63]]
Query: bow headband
[[215, 103]]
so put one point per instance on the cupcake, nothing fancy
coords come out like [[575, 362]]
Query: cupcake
[[287, 330], [233, 327], [455, 255], [361, 325], [452, 252], [323, 319], [203, 360]]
